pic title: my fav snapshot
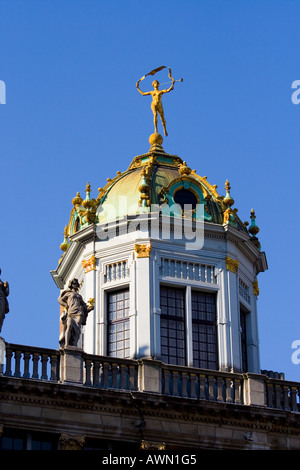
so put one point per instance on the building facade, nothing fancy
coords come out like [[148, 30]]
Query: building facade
[[169, 355]]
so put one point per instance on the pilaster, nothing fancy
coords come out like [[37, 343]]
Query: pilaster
[[142, 287], [89, 266]]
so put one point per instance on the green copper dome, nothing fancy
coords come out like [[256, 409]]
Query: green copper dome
[[155, 181]]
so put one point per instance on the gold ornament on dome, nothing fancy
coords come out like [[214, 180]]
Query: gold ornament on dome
[[184, 169], [156, 93], [77, 200]]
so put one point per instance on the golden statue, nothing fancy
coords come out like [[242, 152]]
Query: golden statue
[[156, 94]]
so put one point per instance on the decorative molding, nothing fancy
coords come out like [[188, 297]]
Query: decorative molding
[[244, 291], [255, 288], [116, 271], [189, 270], [143, 251], [150, 446], [69, 442], [232, 264], [89, 264]]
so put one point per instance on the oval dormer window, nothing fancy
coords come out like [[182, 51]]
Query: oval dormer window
[[186, 199]]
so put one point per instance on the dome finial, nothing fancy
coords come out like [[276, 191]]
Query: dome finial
[[65, 243], [156, 141], [253, 229], [228, 199], [77, 200]]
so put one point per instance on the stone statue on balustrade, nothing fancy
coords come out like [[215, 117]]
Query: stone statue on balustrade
[[4, 307], [74, 315]]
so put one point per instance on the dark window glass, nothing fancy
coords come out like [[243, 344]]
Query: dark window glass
[[13, 440], [43, 441], [118, 324], [184, 197], [172, 330], [204, 330], [243, 315]]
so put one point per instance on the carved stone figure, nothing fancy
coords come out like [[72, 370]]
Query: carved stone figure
[[4, 308], [74, 315]]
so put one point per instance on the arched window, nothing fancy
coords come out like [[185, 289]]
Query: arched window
[[186, 199]]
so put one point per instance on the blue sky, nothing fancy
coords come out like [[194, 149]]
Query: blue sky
[[73, 115]]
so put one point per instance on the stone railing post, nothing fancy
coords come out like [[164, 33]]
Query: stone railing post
[[149, 376], [71, 365], [254, 389], [2, 355]]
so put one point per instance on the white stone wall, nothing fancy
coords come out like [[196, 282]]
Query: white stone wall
[[118, 265]]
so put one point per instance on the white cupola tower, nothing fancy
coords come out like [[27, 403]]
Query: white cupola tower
[[170, 266]]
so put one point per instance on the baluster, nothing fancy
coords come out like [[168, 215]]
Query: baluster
[[123, 371], [88, 367], [96, 373], [278, 396], [114, 370], [17, 364], [188, 270], [53, 362], [26, 356], [211, 382], [35, 373], [205, 273], [202, 380], [237, 392], [228, 390], [175, 376], [184, 379], [132, 377], [166, 375], [285, 391], [44, 366], [8, 370], [294, 399], [193, 378], [105, 370], [220, 383]]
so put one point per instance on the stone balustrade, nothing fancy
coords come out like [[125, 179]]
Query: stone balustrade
[[73, 366], [31, 362]]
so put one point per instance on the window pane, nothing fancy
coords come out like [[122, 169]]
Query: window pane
[[172, 330], [204, 330], [118, 324]]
